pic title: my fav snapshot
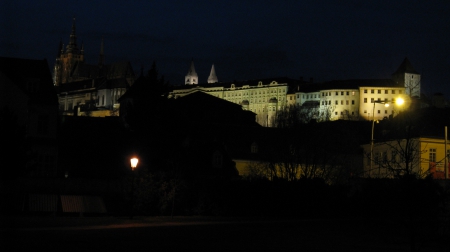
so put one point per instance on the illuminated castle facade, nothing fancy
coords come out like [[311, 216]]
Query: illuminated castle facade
[[334, 100], [85, 89]]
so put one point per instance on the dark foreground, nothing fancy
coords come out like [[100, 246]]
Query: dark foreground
[[207, 234]]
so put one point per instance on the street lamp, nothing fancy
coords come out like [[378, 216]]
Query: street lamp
[[134, 161], [399, 102]]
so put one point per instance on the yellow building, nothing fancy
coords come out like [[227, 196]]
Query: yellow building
[[420, 156]]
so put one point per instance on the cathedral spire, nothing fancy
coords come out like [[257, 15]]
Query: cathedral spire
[[212, 76], [191, 77], [72, 46]]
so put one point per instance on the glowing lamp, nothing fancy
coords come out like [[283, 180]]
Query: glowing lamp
[[399, 101], [134, 162]]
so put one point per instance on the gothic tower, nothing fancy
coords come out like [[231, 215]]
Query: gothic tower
[[191, 78], [407, 76], [212, 76], [66, 60]]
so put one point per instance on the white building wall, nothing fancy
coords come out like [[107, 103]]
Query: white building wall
[[385, 94]]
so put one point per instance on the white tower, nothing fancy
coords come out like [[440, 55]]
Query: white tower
[[191, 77], [212, 76], [410, 78]]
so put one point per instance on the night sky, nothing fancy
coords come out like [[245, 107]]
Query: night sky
[[244, 39]]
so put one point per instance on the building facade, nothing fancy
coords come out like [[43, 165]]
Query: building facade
[[420, 156], [334, 100], [263, 98], [85, 89]]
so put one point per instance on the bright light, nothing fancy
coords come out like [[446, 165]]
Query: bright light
[[386, 105], [134, 162], [399, 101]]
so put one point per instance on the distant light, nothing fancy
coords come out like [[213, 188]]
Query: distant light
[[134, 162], [386, 105]]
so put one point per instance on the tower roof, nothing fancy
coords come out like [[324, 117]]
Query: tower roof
[[72, 46], [192, 69], [406, 67], [212, 76]]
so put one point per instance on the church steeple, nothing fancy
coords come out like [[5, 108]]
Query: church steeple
[[72, 46], [191, 77], [212, 76]]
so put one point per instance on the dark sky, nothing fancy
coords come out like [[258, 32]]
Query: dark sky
[[244, 39]]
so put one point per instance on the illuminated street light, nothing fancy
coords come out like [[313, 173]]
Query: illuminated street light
[[133, 161], [399, 102]]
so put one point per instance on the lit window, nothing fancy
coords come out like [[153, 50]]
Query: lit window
[[433, 155]]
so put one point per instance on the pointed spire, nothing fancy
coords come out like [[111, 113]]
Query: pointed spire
[[191, 77], [72, 46], [192, 69], [406, 67], [101, 57], [212, 76]]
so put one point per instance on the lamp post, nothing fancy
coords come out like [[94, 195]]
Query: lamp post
[[398, 101], [134, 161]]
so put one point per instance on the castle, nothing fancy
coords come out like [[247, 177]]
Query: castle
[[333, 100], [89, 89]]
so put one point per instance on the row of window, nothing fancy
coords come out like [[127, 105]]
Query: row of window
[[382, 157], [379, 99], [379, 91], [336, 102], [264, 100], [379, 111], [231, 94], [337, 93], [342, 113]]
